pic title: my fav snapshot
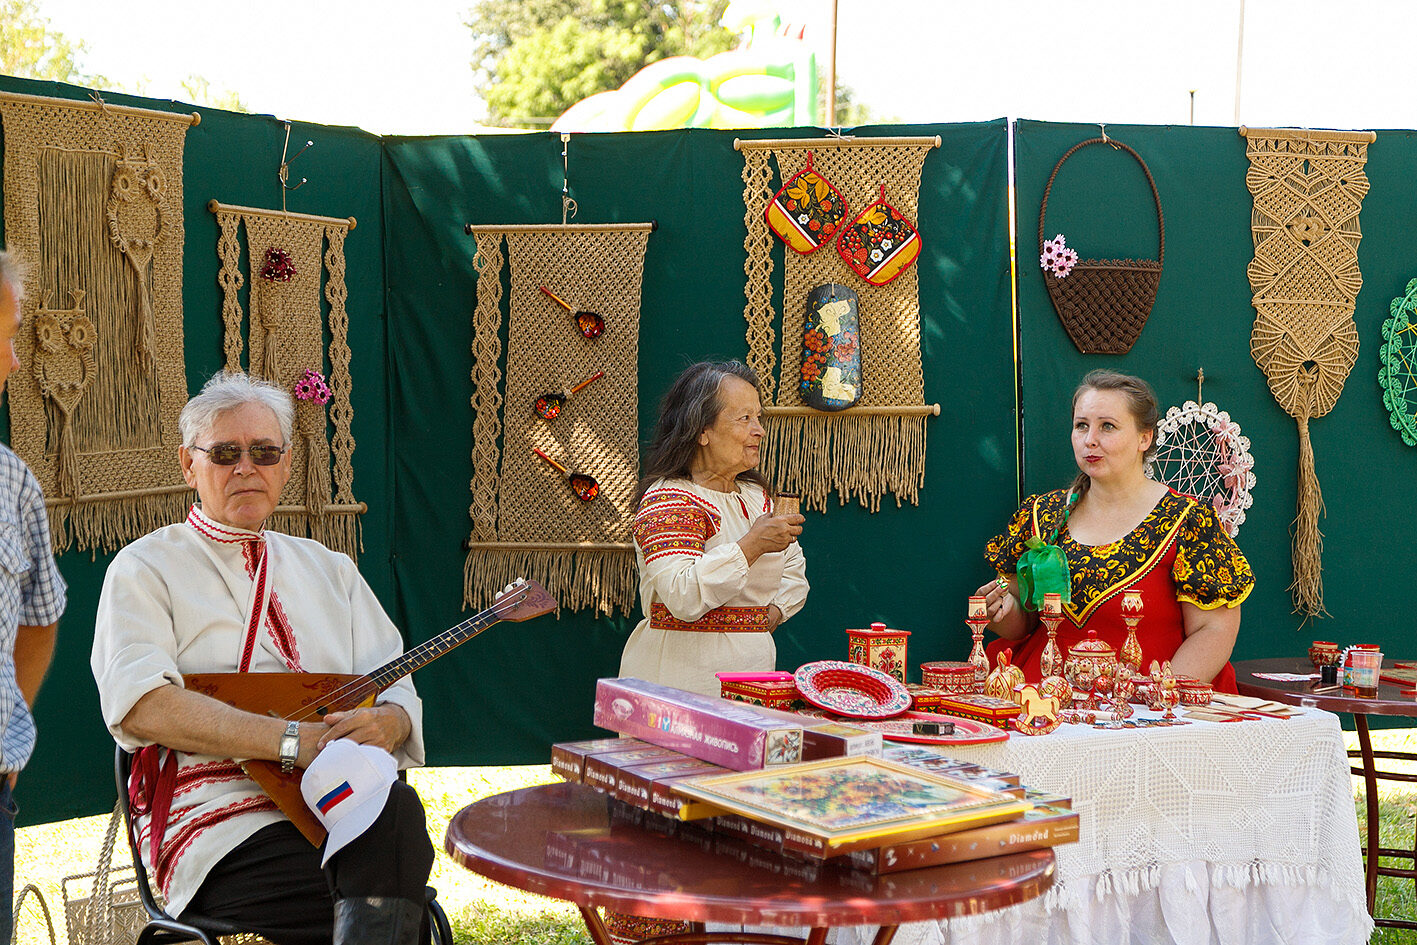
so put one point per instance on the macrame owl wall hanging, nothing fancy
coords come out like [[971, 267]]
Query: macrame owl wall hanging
[[93, 205]]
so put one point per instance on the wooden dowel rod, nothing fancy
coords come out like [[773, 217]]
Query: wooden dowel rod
[[125, 494], [550, 545], [191, 118], [918, 410], [216, 205], [1310, 134], [816, 144], [473, 228], [357, 508]]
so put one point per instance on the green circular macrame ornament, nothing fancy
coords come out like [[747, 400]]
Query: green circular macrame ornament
[[1396, 358]]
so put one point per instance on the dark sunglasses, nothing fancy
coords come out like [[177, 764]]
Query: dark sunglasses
[[229, 454]]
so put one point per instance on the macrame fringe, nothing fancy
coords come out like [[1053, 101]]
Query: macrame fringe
[[317, 478], [1308, 587], [602, 579], [113, 523], [863, 457], [145, 345], [68, 459], [270, 357], [336, 530]]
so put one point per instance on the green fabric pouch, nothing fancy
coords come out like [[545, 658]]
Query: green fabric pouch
[[1042, 569]]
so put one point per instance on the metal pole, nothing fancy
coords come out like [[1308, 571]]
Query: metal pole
[[831, 70], [1239, 61], [1193, 106]]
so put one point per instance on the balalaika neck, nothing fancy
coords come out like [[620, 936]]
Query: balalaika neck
[[428, 651]]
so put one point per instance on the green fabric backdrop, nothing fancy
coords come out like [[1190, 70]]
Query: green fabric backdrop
[[1202, 319], [515, 689]]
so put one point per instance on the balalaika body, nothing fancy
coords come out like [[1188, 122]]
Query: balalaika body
[[307, 697]]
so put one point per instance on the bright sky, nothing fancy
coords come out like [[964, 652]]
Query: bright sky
[[402, 67]]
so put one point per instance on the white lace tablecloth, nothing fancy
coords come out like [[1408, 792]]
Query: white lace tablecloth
[[1226, 833]]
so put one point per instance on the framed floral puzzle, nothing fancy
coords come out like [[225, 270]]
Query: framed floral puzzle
[[854, 803]]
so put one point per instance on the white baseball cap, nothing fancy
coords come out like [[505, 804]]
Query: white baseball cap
[[346, 787]]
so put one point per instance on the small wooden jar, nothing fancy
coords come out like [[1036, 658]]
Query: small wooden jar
[[880, 648]]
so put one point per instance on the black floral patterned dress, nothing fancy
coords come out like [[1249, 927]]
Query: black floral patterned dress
[[1178, 553]]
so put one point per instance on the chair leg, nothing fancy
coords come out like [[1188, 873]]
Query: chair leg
[[442, 931]]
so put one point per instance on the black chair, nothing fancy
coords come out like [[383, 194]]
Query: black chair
[[163, 929]]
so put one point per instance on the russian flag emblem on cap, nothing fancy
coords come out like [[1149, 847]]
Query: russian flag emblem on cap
[[332, 799]]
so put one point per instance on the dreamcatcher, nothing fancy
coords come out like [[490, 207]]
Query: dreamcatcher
[[1200, 452], [1396, 359]]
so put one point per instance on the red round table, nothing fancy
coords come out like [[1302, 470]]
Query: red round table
[[1390, 700], [566, 841]]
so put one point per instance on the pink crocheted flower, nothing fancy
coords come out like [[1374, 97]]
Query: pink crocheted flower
[[311, 386], [1064, 263], [1051, 249]]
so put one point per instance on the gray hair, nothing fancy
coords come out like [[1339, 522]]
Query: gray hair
[[12, 274], [228, 390]]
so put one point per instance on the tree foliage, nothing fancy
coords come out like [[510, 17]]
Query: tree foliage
[[536, 58], [29, 48]]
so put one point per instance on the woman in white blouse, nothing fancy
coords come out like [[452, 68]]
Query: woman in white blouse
[[719, 568]]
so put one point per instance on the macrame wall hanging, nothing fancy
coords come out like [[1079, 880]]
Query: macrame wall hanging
[[877, 446], [93, 204], [288, 256], [534, 514], [1201, 452], [1308, 187], [1397, 364]]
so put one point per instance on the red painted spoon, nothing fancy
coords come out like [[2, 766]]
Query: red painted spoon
[[582, 485], [590, 324], [548, 406]]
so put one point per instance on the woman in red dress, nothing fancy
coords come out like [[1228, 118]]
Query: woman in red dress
[[1121, 531]]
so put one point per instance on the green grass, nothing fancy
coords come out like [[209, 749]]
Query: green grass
[[481, 912], [486, 913], [1397, 805]]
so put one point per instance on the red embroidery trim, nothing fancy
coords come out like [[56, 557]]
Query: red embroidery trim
[[213, 772], [172, 850], [216, 532], [718, 620], [665, 495], [281, 633], [248, 644]]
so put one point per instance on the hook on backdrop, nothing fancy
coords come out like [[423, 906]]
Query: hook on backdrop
[[284, 172]]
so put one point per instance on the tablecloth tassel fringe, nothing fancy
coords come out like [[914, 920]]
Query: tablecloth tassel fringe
[[1129, 882], [1240, 875]]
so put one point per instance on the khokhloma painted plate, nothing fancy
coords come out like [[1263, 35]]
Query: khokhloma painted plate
[[851, 689]]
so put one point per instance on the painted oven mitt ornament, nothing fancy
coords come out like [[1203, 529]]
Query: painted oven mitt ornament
[[831, 349], [807, 211], [880, 243]]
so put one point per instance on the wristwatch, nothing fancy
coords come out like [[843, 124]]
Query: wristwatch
[[289, 747]]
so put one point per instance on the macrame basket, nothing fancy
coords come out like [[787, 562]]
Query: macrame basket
[[1103, 303]]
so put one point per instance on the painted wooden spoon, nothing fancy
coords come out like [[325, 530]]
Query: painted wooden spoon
[[590, 324], [585, 487], [548, 406]]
